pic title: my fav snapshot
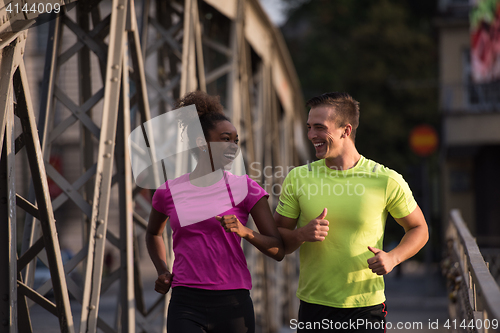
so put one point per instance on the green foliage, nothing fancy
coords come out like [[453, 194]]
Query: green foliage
[[383, 53], [484, 11]]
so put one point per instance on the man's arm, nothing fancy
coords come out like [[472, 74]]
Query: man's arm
[[316, 230], [416, 236]]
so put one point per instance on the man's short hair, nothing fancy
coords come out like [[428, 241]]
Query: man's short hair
[[346, 108]]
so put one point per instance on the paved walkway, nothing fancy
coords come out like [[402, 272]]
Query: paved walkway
[[417, 299]]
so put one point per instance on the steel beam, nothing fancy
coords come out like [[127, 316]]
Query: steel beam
[[45, 213], [122, 27], [31, 227], [14, 81], [252, 80], [8, 251], [124, 174], [104, 172]]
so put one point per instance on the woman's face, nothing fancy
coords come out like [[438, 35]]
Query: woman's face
[[223, 144]]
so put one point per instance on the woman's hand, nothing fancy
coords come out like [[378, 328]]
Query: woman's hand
[[163, 283], [230, 223]]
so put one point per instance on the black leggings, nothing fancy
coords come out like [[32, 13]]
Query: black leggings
[[315, 318], [210, 311]]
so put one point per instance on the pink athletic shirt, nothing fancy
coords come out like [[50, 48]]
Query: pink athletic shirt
[[206, 256]]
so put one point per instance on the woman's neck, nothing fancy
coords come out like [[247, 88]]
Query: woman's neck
[[203, 176]]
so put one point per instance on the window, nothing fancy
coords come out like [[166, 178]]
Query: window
[[480, 96]]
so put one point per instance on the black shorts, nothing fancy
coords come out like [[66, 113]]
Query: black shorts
[[194, 310], [320, 318]]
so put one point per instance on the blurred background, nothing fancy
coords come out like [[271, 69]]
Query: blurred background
[[426, 74]]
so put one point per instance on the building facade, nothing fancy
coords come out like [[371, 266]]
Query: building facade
[[470, 128]]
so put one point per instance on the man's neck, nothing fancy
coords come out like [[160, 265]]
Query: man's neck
[[346, 160]]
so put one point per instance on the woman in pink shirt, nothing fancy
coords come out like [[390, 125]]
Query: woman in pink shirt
[[208, 210]]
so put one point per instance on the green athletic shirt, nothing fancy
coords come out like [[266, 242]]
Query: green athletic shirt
[[335, 272]]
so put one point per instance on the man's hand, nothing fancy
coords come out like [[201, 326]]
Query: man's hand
[[230, 223], [382, 263], [316, 230], [162, 284]]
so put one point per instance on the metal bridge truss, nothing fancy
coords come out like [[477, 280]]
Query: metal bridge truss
[[228, 48], [16, 109]]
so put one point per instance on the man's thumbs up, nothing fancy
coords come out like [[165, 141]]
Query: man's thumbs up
[[382, 263], [323, 214], [316, 230], [374, 250]]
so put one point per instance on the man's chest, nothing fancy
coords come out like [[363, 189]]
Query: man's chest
[[350, 201]]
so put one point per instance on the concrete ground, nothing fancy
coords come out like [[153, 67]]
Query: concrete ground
[[417, 299]]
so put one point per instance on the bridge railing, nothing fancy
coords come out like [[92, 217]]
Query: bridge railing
[[474, 294]]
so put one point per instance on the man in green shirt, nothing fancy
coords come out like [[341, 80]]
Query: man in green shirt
[[335, 210]]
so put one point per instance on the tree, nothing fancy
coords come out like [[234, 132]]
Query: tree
[[383, 53]]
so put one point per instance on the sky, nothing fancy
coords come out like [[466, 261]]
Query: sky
[[275, 10]]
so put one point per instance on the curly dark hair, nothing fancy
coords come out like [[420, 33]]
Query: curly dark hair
[[210, 112]]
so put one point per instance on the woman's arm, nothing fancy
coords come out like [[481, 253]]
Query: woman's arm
[[156, 250], [268, 241]]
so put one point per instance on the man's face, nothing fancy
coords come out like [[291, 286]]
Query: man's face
[[323, 132]]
